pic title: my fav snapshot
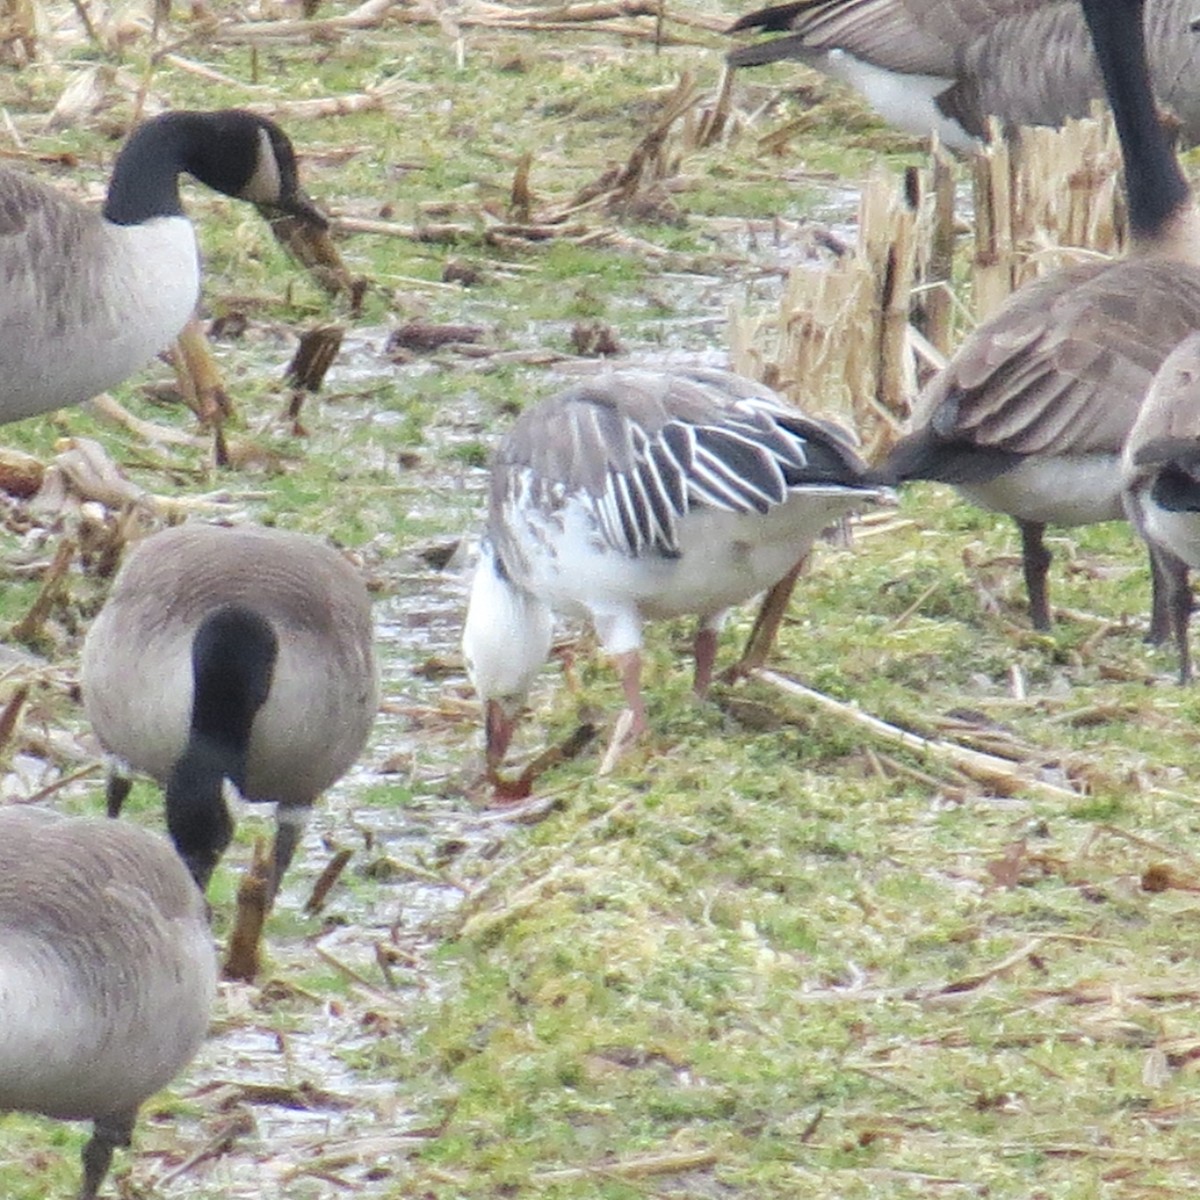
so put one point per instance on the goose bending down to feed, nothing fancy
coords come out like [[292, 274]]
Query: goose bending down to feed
[[1161, 469], [107, 973], [949, 65], [1030, 416], [90, 297], [641, 495], [242, 654]]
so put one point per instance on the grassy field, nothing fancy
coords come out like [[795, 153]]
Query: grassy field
[[779, 953]]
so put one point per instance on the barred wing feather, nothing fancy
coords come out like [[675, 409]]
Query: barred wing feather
[[749, 461]]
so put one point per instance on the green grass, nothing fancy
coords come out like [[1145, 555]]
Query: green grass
[[771, 955]]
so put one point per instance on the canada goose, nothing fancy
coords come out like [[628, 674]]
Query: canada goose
[[89, 297], [640, 495], [1030, 416], [239, 653], [107, 973], [1161, 470], [948, 65]]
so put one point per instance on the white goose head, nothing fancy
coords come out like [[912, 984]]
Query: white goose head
[[506, 640]]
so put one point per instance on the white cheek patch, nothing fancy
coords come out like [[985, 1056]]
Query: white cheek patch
[[266, 184]]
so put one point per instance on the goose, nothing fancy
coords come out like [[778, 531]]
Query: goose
[[949, 65], [640, 495], [107, 973], [1031, 414], [232, 653], [90, 297], [1160, 468]]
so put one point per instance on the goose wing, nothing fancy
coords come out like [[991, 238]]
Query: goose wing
[[923, 37], [1038, 68], [39, 225], [1168, 426], [641, 450], [1028, 68], [1061, 370]]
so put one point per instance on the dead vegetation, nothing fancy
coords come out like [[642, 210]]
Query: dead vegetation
[[908, 914]]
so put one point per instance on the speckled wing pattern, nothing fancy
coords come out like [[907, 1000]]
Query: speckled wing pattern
[[642, 450]]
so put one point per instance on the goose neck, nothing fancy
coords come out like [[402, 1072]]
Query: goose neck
[[1154, 183]]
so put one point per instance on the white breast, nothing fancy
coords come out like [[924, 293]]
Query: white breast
[[1055, 491], [902, 99], [107, 316], [1179, 532], [726, 558]]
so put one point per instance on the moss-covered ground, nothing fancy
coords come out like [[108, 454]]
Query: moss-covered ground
[[773, 954]]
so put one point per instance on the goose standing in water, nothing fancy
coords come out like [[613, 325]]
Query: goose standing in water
[[86, 297], [641, 495], [949, 65], [107, 973], [243, 654], [1161, 469], [1030, 416]]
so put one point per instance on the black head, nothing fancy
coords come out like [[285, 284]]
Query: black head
[[233, 662], [249, 157], [198, 819], [232, 151]]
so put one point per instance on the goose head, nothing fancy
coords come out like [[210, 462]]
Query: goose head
[[234, 653], [506, 640], [238, 153]]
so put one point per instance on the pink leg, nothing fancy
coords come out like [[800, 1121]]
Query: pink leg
[[629, 665], [632, 722]]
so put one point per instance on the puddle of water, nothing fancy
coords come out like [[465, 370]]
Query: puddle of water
[[429, 740]]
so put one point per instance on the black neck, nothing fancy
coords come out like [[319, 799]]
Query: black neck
[[233, 663], [220, 148], [1154, 183]]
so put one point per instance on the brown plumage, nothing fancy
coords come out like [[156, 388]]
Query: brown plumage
[[1161, 471], [951, 64], [107, 973], [233, 653], [1030, 416]]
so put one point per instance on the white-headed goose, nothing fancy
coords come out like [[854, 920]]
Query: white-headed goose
[[640, 495], [1161, 469], [948, 65], [90, 297], [1031, 414], [107, 973], [243, 654]]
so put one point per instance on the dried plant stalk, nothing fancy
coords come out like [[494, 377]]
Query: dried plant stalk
[[992, 266], [1049, 189], [840, 341], [1065, 192], [1004, 776], [29, 628], [18, 32], [242, 960], [936, 303]]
